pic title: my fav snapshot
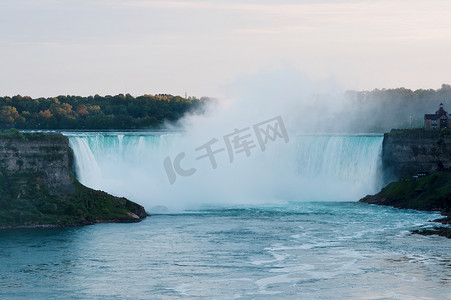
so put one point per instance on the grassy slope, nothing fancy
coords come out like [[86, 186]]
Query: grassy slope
[[25, 201], [432, 192]]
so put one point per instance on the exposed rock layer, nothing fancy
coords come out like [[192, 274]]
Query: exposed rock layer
[[48, 155], [405, 152]]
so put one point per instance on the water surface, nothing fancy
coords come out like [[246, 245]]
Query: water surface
[[325, 250]]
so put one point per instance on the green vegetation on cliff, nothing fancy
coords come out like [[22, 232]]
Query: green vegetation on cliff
[[25, 201], [94, 112], [431, 193]]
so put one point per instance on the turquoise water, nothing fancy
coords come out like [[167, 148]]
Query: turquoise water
[[296, 250]]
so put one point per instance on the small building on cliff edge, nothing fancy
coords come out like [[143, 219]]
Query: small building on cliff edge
[[439, 120]]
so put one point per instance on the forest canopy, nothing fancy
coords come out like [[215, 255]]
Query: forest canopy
[[95, 112]]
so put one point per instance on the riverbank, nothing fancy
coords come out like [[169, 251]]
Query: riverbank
[[430, 193]]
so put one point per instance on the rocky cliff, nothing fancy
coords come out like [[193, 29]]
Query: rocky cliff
[[37, 187], [48, 155], [405, 152]]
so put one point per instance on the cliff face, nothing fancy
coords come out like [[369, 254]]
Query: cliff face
[[36, 186], [48, 155], [407, 152]]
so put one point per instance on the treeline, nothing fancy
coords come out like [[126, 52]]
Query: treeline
[[379, 110], [95, 112], [382, 110]]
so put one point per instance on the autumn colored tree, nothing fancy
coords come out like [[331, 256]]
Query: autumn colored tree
[[94, 112]]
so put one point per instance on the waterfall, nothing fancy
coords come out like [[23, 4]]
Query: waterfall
[[308, 168], [353, 159]]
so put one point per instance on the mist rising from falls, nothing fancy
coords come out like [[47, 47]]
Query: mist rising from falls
[[308, 168]]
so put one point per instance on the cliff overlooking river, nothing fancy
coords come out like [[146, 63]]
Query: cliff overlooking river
[[419, 161], [37, 187], [405, 152]]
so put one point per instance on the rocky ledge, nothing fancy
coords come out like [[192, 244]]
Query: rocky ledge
[[37, 188]]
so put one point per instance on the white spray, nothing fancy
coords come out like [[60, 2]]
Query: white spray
[[309, 167]]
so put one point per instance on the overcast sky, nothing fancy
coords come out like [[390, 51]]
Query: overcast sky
[[84, 47]]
